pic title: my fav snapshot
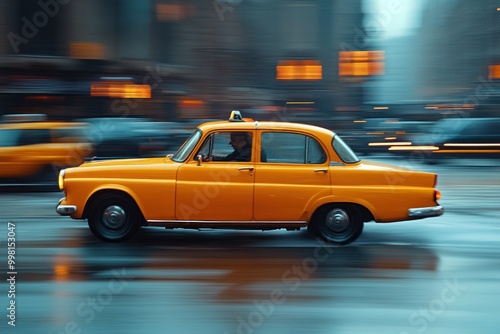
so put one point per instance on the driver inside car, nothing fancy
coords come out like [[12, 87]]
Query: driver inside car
[[241, 144]]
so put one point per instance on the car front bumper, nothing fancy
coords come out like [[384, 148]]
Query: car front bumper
[[64, 209], [432, 211]]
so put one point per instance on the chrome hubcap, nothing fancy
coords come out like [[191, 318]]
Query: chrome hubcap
[[114, 217], [337, 220]]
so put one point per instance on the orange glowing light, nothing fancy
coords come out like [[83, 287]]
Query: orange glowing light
[[451, 107], [437, 195], [361, 63], [299, 102], [413, 148], [494, 71], [402, 143], [191, 104], [170, 12], [472, 144], [125, 90], [468, 151], [81, 50], [299, 70], [61, 270]]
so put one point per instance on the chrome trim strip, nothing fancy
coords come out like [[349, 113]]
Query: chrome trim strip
[[228, 221], [238, 225], [431, 211], [66, 210]]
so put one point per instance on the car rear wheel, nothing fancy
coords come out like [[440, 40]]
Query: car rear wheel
[[114, 218], [338, 224]]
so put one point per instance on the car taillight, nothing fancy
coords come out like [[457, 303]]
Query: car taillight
[[437, 195]]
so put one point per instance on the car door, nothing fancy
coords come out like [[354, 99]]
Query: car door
[[293, 169], [216, 190]]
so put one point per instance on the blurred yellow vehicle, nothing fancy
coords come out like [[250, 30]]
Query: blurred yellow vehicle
[[33, 150], [294, 176]]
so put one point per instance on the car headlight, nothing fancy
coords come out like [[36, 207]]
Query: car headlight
[[60, 180]]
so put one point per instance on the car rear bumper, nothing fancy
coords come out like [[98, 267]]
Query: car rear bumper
[[431, 211], [64, 209]]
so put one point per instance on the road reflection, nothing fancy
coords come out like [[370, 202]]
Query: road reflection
[[231, 267]]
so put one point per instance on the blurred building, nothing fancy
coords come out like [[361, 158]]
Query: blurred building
[[457, 44], [171, 59], [452, 63]]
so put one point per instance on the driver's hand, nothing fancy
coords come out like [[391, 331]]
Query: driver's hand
[[206, 158]]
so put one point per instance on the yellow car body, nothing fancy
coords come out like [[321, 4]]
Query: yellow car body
[[34, 150], [332, 194]]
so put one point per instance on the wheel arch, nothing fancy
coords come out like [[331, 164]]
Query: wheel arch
[[339, 223], [119, 191], [364, 212]]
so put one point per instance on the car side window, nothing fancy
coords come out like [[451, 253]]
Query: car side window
[[227, 146], [282, 147], [221, 146], [38, 136], [216, 144], [9, 137], [315, 153], [68, 135]]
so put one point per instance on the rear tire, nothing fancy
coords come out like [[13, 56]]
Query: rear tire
[[114, 218], [337, 224]]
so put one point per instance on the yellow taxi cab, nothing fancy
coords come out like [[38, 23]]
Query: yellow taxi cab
[[245, 174], [34, 150]]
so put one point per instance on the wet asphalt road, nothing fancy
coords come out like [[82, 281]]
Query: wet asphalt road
[[438, 275]]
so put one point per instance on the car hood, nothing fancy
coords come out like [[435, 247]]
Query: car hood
[[147, 168]]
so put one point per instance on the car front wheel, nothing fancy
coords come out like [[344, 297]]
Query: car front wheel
[[339, 225], [114, 218]]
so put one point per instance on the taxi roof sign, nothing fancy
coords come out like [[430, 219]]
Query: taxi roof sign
[[235, 116]]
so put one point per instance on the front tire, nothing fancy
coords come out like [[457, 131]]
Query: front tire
[[114, 218], [337, 224]]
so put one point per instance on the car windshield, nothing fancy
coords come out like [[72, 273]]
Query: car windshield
[[186, 148], [345, 153], [9, 137]]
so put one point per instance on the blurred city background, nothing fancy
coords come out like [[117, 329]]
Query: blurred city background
[[409, 82], [378, 72]]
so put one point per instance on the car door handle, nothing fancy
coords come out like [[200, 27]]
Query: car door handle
[[246, 168], [322, 170]]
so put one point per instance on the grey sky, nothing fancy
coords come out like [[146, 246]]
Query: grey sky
[[394, 18]]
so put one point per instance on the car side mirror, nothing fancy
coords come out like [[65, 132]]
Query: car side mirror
[[199, 158]]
